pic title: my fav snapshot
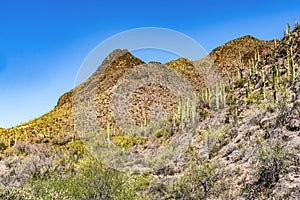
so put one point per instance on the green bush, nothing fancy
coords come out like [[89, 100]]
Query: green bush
[[91, 181], [271, 162], [197, 183], [12, 193], [240, 83]]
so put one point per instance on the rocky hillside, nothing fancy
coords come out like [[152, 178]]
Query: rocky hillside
[[232, 57], [246, 143]]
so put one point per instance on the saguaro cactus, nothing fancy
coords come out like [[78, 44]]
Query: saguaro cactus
[[288, 65], [224, 96], [236, 119], [293, 70], [248, 89], [274, 82], [263, 84], [217, 97], [108, 131]]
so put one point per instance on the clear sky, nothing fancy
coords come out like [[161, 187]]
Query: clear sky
[[44, 42]]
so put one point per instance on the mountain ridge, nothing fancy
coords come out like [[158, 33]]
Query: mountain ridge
[[247, 150]]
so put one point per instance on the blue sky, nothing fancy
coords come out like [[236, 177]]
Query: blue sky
[[43, 43]]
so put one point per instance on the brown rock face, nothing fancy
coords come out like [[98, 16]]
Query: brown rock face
[[65, 98], [232, 58], [146, 100], [188, 70]]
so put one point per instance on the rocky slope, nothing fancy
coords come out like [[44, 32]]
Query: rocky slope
[[248, 148], [232, 57]]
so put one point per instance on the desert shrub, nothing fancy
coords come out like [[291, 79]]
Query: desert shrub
[[240, 83], [271, 162], [14, 193], [214, 138], [3, 145], [204, 112], [197, 182], [128, 141], [20, 168], [91, 181], [253, 98], [162, 135]]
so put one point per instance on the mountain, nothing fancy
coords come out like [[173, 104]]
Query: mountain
[[242, 117], [232, 57]]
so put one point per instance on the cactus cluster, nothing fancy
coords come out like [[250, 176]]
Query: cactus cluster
[[215, 96], [187, 111]]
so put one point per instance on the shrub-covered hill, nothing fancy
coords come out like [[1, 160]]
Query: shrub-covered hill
[[246, 149]]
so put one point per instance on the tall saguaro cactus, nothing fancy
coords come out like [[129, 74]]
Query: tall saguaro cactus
[[236, 119], [274, 82], [263, 84], [293, 70]]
